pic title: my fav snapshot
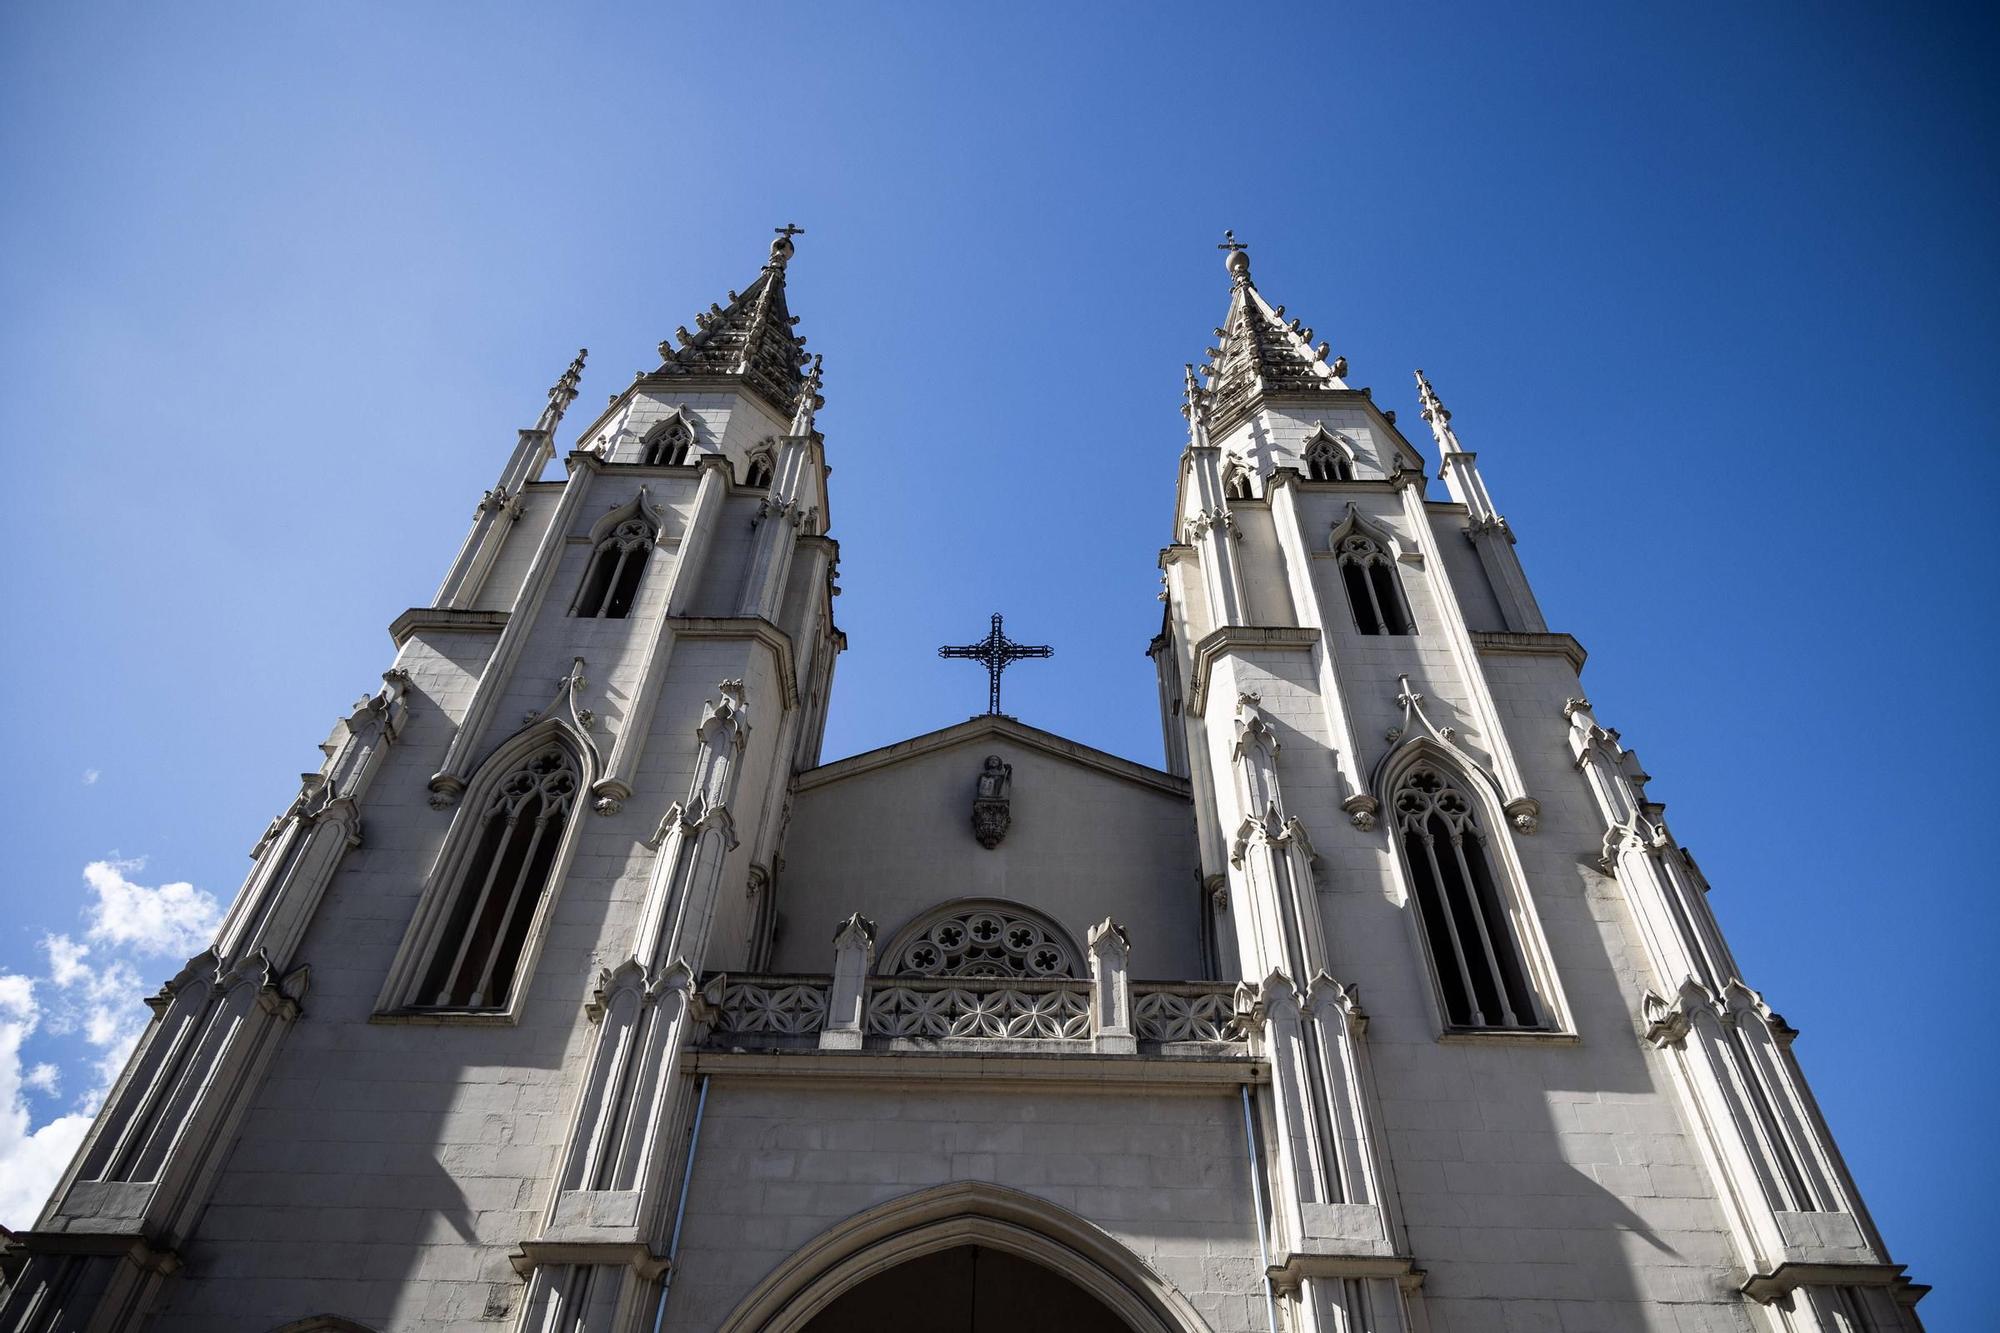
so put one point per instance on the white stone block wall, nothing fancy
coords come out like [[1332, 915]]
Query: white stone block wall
[[779, 1163]]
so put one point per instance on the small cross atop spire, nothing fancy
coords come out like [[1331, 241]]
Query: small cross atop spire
[[782, 248]]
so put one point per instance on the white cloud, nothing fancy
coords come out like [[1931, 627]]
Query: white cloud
[[90, 776], [30, 1160], [66, 966], [106, 1004], [94, 992], [171, 919]]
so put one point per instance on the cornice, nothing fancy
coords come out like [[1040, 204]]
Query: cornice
[[1287, 1273], [1782, 1281], [1240, 638], [994, 724], [1200, 1075], [633, 1254], [419, 618], [1502, 643], [746, 627]]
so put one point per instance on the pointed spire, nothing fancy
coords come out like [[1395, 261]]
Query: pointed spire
[[562, 394], [751, 338], [1438, 417], [1257, 351], [810, 401]]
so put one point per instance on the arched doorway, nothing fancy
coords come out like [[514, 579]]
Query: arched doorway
[[966, 1289], [994, 1243]]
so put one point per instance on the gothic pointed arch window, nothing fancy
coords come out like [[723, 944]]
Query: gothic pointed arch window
[[1470, 924], [1368, 571], [1327, 458], [473, 933], [1236, 481], [758, 475], [617, 564], [668, 444]]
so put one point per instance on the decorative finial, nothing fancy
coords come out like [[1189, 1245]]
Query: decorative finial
[[782, 248], [810, 401], [1238, 260], [562, 393], [1437, 415]]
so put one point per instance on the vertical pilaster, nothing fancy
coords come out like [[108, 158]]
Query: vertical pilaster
[[1791, 1204], [608, 1202]]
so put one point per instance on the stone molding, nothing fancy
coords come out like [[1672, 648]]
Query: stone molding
[[1200, 1075], [987, 724], [1782, 1281], [1241, 638], [964, 1213], [418, 619], [1523, 644]]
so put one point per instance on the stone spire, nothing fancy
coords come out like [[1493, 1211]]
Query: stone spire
[[1438, 417], [562, 394], [750, 339], [1259, 352]]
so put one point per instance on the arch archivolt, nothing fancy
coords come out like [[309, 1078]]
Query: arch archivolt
[[948, 1216]]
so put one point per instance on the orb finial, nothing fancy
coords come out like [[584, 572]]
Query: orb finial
[[1238, 259], [782, 248]]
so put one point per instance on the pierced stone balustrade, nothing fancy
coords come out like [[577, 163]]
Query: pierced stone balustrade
[[1042, 1014]]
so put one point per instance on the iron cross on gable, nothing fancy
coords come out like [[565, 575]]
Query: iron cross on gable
[[996, 650]]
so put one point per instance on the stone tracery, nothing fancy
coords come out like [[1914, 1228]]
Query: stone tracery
[[983, 940]]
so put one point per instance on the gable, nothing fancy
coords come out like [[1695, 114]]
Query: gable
[[890, 834]]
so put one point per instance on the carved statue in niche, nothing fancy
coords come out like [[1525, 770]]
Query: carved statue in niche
[[990, 816]]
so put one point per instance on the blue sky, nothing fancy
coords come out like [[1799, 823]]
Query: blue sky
[[1711, 291]]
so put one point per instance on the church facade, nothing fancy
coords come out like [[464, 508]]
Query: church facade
[[574, 992]]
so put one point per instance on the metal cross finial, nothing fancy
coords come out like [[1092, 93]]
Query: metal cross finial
[[781, 249], [1231, 244], [996, 650]]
